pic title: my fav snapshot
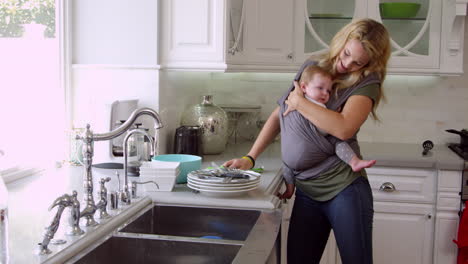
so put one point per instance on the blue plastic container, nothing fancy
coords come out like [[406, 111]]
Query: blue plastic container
[[188, 163]]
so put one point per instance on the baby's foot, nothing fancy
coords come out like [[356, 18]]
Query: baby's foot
[[361, 164]]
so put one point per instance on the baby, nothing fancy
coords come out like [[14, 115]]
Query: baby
[[317, 83]]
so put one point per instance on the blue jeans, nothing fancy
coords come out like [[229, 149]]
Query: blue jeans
[[349, 214]]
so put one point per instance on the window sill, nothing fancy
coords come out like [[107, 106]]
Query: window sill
[[18, 172]]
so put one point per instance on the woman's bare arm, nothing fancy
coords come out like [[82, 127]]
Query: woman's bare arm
[[268, 133], [342, 125]]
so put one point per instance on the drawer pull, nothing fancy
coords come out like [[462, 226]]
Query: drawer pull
[[387, 187]]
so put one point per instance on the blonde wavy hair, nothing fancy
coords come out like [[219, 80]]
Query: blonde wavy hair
[[375, 40]]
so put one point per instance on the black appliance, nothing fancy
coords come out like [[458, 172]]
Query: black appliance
[[187, 140], [460, 149]]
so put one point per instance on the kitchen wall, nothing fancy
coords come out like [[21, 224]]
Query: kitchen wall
[[115, 58]]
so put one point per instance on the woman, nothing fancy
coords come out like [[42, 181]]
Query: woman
[[337, 198]]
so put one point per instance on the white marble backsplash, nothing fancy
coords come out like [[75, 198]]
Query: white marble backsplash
[[417, 107]]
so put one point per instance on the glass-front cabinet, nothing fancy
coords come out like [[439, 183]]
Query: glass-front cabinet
[[279, 35], [414, 27]]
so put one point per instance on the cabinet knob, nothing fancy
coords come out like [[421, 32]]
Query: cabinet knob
[[387, 187], [290, 56]]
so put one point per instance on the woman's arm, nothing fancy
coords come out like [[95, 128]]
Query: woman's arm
[[268, 133], [342, 125]]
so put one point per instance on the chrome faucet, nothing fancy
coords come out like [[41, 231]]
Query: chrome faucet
[[88, 138], [62, 202], [125, 196]]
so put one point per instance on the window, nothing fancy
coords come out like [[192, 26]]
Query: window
[[32, 102]]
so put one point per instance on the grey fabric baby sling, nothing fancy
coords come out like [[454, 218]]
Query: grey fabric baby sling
[[306, 153]]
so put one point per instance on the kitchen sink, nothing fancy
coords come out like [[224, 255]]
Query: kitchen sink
[[146, 250], [187, 234], [231, 224]]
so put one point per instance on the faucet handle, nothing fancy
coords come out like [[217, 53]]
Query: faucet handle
[[75, 229], [63, 200], [134, 187], [124, 196], [102, 188], [102, 204]]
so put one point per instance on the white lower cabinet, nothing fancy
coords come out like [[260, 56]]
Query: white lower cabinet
[[403, 233], [446, 226], [415, 217], [447, 219]]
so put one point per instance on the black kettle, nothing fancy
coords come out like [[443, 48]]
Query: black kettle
[[187, 140]]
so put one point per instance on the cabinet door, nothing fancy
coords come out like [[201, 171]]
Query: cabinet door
[[415, 37], [445, 251], [447, 219], [403, 233], [268, 31], [317, 21], [193, 34]]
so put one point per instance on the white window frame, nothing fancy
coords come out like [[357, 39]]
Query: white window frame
[[63, 10]]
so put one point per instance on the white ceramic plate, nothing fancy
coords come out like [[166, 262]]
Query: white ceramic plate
[[220, 184], [199, 175], [221, 193], [222, 188]]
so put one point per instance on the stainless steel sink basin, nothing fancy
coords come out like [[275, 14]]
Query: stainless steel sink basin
[[231, 224], [184, 234], [147, 250]]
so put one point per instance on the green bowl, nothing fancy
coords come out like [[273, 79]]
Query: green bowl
[[188, 163], [399, 10]]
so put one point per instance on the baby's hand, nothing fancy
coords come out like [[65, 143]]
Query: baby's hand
[[293, 99]]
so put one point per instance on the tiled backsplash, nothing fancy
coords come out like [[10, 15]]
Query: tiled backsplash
[[417, 108]]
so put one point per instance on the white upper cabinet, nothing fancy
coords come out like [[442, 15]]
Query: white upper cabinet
[[279, 35], [265, 41], [420, 39], [232, 35], [193, 34]]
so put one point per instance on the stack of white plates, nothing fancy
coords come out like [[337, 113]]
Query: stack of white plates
[[214, 183], [162, 172]]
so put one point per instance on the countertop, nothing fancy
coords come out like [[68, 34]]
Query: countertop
[[30, 197], [410, 155]]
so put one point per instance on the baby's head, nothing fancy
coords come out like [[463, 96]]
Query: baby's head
[[316, 83]]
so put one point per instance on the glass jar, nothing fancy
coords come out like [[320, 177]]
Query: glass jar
[[213, 121]]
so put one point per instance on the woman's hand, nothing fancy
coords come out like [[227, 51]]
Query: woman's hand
[[293, 99], [288, 193], [242, 164]]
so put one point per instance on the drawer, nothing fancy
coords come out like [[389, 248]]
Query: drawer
[[448, 190], [449, 181], [402, 185]]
